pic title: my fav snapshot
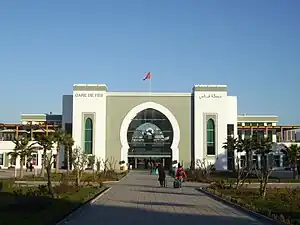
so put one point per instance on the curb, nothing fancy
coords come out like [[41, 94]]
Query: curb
[[263, 218], [77, 211]]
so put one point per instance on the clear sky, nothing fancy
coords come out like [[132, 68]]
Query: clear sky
[[252, 46]]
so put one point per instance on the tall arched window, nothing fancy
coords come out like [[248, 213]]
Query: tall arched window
[[210, 137], [88, 136]]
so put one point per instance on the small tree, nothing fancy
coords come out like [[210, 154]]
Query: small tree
[[80, 161], [242, 172], [46, 142], [59, 140], [264, 147], [98, 165], [22, 149], [292, 154], [91, 163], [68, 143], [112, 162], [105, 166], [204, 167]]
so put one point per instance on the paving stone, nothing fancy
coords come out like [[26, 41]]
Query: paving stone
[[137, 199]]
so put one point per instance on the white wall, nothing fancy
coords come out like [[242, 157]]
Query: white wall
[[90, 102], [8, 146], [225, 109]]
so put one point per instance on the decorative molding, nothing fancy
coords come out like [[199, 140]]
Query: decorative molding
[[130, 116], [147, 94]]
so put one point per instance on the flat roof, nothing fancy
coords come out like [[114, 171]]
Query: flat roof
[[257, 118]]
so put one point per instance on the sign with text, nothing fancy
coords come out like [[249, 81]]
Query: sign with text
[[207, 96], [88, 95]]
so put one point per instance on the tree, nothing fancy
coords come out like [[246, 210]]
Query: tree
[[205, 168], [22, 149], [46, 142], [59, 140], [80, 161], [238, 145], [292, 154], [231, 145], [263, 147], [91, 163], [68, 144], [247, 145]]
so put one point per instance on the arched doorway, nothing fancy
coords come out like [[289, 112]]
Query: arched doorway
[[150, 136]]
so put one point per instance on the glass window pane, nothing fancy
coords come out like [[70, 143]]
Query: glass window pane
[[88, 135], [88, 147], [88, 124], [210, 124]]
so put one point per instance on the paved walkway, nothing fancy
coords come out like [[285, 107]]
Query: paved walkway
[[137, 200]]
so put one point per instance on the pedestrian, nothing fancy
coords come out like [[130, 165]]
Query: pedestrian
[[31, 166], [180, 174], [27, 166], [161, 176]]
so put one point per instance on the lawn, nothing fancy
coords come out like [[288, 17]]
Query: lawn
[[284, 202], [196, 176], [24, 205], [86, 177]]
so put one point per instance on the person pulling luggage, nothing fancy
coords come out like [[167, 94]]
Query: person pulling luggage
[[180, 174]]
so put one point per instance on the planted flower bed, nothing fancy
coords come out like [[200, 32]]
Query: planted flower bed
[[280, 204], [31, 205]]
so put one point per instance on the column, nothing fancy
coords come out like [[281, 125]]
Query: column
[[163, 162], [135, 163], [39, 161], [281, 160], [17, 132], [243, 134]]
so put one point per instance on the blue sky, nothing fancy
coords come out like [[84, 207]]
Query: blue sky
[[252, 46]]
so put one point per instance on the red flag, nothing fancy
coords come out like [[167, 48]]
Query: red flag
[[148, 76]]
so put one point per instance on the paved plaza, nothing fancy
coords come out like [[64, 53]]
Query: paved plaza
[[137, 200]]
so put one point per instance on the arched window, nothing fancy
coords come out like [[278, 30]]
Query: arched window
[[210, 137], [88, 136]]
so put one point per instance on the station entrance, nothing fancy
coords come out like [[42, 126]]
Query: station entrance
[[150, 136]]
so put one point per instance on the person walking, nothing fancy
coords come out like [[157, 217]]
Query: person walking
[[180, 174], [161, 176]]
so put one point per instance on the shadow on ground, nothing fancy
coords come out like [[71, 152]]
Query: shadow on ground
[[169, 192], [16, 209], [150, 215]]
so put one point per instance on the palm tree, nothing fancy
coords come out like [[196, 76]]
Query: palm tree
[[68, 144], [293, 153], [59, 140], [231, 145], [247, 145], [46, 142], [22, 149]]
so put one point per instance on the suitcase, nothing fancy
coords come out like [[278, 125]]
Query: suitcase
[[176, 183]]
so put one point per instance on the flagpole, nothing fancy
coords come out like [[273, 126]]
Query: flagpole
[[150, 88]]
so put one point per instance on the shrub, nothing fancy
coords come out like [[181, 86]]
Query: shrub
[[64, 188]]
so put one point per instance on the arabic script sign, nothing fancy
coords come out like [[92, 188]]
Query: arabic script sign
[[206, 96], [88, 95]]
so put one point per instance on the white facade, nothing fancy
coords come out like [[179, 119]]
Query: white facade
[[8, 146], [212, 102], [90, 101]]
